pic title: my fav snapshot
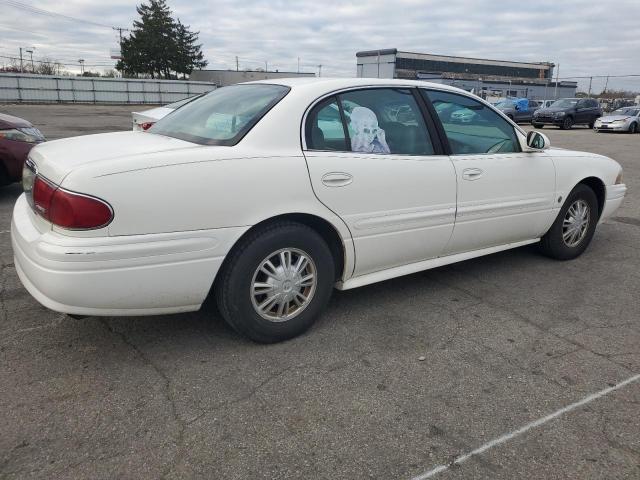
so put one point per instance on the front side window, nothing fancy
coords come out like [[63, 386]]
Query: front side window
[[221, 117], [472, 127], [385, 121]]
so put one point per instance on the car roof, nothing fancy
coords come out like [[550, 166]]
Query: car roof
[[328, 84]]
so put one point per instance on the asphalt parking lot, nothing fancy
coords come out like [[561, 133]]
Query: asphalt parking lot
[[507, 340]]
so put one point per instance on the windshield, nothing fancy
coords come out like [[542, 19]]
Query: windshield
[[565, 102], [221, 117], [626, 111], [504, 104], [182, 102]]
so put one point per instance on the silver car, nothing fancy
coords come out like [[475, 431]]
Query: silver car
[[625, 119]]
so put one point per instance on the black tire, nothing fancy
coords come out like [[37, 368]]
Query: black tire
[[538, 125], [233, 285], [4, 177], [552, 243], [567, 123], [633, 128], [592, 124]]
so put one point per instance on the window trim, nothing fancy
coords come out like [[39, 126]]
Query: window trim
[[516, 130], [435, 139], [320, 105]]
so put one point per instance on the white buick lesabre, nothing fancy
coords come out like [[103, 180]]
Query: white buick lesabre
[[269, 195]]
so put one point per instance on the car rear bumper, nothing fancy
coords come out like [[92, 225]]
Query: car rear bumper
[[615, 196], [127, 275]]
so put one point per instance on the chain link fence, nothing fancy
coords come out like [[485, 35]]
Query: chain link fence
[[611, 91]]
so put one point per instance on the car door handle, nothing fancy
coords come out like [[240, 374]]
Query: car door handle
[[472, 173], [337, 179]]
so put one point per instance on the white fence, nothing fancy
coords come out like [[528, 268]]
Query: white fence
[[27, 88]]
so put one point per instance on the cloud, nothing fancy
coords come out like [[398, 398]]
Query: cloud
[[583, 37]]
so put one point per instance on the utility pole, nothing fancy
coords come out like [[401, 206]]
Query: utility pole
[[590, 80], [237, 64], [266, 66], [120, 30], [298, 64], [81, 62], [30, 52], [21, 70], [605, 85], [319, 70], [555, 93]]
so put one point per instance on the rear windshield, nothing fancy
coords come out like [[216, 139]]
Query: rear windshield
[[182, 102], [221, 117]]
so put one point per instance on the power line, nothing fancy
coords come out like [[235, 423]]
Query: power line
[[48, 13], [55, 62]]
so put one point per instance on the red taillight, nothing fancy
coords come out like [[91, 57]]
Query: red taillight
[[146, 125], [68, 209]]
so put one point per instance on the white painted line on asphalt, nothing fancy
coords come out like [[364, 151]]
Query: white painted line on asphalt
[[527, 427]]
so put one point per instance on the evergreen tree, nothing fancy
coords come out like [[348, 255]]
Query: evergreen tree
[[159, 45]]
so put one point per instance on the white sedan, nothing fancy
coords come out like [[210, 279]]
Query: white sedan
[[270, 194]]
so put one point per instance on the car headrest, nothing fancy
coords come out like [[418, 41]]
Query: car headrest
[[317, 138]]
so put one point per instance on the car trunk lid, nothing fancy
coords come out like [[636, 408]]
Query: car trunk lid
[[54, 160]]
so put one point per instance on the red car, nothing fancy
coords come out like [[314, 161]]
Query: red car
[[17, 138]]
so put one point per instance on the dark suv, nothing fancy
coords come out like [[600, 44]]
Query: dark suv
[[568, 112]]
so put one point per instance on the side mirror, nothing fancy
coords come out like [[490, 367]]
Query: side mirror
[[537, 140]]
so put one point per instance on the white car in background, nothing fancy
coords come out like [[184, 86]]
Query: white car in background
[[267, 196], [625, 119], [144, 120]]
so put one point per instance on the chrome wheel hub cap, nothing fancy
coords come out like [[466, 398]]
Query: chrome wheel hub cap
[[576, 223], [283, 284]]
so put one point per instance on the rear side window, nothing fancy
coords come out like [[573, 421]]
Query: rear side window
[[380, 120], [324, 129], [472, 127], [221, 117], [385, 120]]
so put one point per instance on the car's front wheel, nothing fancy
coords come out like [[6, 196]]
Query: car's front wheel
[[276, 282], [573, 229], [633, 128], [567, 123]]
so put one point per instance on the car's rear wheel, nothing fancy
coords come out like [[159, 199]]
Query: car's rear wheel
[[633, 128], [276, 282], [567, 123], [573, 229]]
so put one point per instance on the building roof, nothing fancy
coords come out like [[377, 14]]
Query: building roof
[[432, 56]]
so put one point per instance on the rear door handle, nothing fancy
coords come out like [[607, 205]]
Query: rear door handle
[[337, 179], [472, 173]]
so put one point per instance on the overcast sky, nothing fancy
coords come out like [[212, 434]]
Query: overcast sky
[[585, 37]]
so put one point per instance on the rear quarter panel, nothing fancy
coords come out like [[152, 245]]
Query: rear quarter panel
[[210, 187]]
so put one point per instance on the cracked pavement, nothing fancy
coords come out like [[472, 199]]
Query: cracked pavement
[[507, 339]]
